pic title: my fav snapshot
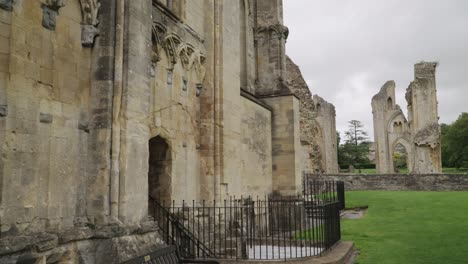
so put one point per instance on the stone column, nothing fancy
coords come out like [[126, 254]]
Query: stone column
[[286, 155], [135, 108], [424, 119], [5, 33], [270, 38], [101, 117]]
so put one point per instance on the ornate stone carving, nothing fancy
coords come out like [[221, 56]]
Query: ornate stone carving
[[199, 68], [199, 89], [187, 55], [50, 11], [89, 30], [158, 33], [278, 30], [170, 44], [6, 4], [175, 49]]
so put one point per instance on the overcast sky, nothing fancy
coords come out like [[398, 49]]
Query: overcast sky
[[347, 50]]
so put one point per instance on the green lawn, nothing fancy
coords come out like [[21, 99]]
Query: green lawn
[[409, 227]]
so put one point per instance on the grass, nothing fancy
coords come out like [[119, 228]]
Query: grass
[[405, 171], [409, 227]]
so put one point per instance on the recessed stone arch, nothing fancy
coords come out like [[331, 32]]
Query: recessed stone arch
[[159, 170], [389, 103], [407, 149]]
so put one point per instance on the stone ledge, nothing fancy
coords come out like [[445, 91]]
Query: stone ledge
[[43, 241], [90, 251], [338, 254]]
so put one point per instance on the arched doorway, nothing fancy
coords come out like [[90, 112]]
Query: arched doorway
[[400, 159], [159, 171]]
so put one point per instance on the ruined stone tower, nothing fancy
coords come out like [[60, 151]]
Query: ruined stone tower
[[418, 135], [423, 119]]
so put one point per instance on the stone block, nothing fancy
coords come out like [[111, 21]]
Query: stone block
[[32, 70], [4, 45], [46, 76], [5, 30], [3, 110], [75, 234], [4, 66], [45, 118]]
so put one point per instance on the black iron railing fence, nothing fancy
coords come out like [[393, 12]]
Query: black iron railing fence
[[315, 190], [246, 228]]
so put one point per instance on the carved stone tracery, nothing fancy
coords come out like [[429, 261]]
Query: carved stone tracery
[[190, 57]]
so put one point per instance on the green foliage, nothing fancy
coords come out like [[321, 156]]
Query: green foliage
[[444, 146], [409, 227], [455, 143], [400, 158], [356, 147]]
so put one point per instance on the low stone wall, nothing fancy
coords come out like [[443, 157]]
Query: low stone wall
[[108, 244], [401, 182]]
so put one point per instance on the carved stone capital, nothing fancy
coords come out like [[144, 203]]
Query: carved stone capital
[[6, 5], [277, 30], [90, 13], [88, 34], [49, 13]]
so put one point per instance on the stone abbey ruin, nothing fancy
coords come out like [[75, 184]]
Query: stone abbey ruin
[[419, 134], [105, 104]]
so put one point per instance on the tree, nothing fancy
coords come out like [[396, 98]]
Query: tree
[[444, 128], [456, 142], [355, 150], [355, 134]]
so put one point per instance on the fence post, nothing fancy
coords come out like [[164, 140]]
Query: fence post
[[341, 194]]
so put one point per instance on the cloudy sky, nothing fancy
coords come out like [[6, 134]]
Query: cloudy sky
[[347, 50]]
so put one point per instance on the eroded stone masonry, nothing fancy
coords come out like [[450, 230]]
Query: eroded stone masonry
[[105, 103], [419, 135]]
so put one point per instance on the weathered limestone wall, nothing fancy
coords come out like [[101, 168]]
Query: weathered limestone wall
[[190, 99], [310, 136], [326, 123], [256, 164], [230, 179], [175, 101], [401, 182], [286, 157], [44, 91], [111, 244]]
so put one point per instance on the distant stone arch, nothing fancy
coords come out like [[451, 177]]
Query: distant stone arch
[[389, 103], [398, 145]]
